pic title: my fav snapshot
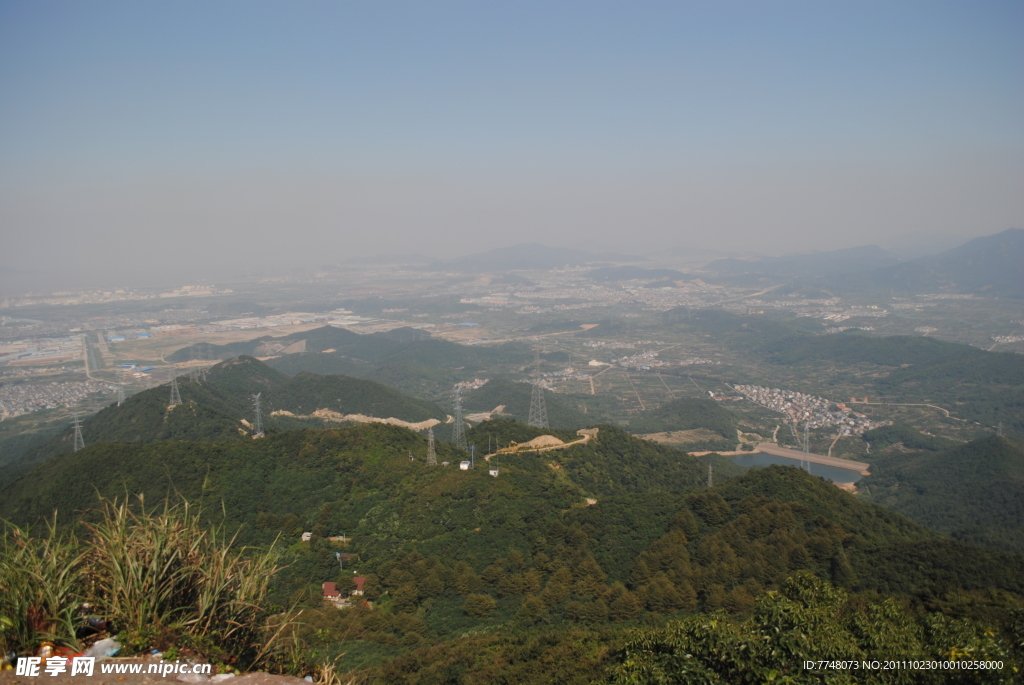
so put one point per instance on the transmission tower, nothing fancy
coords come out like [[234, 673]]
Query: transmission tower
[[459, 427], [79, 442], [175, 395], [120, 395], [711, 480], [538, 409], [257, 431], [431, 452], [806, 463]]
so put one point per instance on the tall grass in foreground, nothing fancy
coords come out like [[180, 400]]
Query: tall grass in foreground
[[40, 587], [161, 576]]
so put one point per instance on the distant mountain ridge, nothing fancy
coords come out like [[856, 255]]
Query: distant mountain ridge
[[849, 260], [989, 265], [529, 256]]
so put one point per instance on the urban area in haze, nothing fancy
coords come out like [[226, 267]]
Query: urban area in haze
[[571, 343]]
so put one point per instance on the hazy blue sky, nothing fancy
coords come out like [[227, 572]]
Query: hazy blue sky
[[208, 135]]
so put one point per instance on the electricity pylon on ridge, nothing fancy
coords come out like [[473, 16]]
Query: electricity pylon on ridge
[[175, 395], [79, 441], [120, 395], [459, 427], [431, 451], [257, 430], [806, 463], [538, 407]]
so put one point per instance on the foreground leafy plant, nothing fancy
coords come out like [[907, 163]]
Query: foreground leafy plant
[[163, 577], [40, 587]]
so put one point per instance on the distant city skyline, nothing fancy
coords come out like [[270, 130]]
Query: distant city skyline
[[160, 142]]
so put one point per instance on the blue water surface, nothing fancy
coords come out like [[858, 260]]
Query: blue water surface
[[832, 473]]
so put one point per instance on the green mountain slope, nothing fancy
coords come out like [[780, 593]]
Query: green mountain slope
[[902, 435], [317, 362], [687, 414], [974, 492], [750, 532], [598, 536], [562, 410], [306, 392], [364, 471]]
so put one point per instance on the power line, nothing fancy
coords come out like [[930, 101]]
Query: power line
[[79, 441], [175, 395], [538, 407], [459, 427], [431, 451], [257, 431], [807, 447]]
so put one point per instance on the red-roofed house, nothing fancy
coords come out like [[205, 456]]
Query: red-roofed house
[[331, 591], [359, 581]]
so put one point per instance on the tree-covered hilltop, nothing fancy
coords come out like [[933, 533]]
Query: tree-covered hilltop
[[630, 501], [221, 408], [973, 492], [690, 413], [808, 621], [563, 411], [578, 543], [901, 435]]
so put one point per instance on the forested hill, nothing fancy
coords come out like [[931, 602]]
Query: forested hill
[[613, 533], [650, 538], [686, 414], [515, 397], [974, 492], [356, 469], [221, 407]]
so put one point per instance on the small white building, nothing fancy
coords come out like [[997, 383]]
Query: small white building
[[464, 466], [493, 472], [306, 537]]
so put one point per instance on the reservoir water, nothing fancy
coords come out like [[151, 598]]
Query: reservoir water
[[832, 473]]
